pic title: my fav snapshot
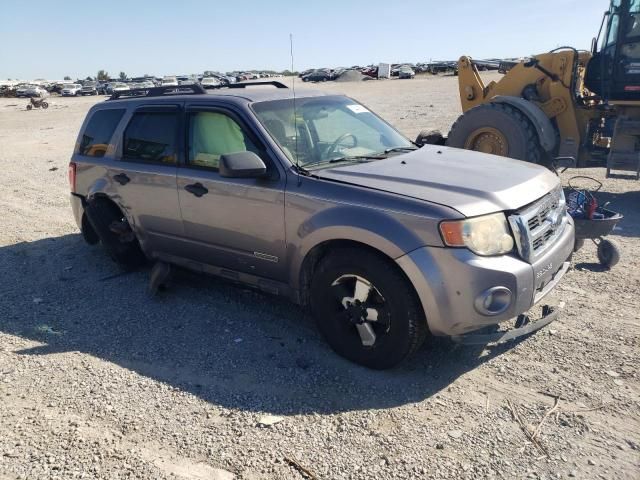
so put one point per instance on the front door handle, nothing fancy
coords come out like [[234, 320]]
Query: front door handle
[[121, 178], [197, 189]]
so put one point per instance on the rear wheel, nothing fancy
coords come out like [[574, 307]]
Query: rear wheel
[[366, 309], [498, 129], [114, 233], [608, 253]]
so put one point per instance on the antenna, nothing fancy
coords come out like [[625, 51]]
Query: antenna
[[295, 112]]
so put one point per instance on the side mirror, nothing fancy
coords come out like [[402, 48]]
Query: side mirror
[[242, 165], [594, 46]]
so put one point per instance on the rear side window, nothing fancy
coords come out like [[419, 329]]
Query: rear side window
[[97, 135], [151, 137]]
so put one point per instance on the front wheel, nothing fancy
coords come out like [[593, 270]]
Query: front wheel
[[45, 105], [366, 308]]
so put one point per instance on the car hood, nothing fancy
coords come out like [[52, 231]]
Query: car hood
[[473, 183]]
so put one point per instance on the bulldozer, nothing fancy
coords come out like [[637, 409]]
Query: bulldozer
[[565, 108]]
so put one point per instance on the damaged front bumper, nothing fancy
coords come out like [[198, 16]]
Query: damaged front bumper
[[463, 294], [524, 326]]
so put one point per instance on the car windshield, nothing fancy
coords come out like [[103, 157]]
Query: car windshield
[[326, 130], [68, 85]]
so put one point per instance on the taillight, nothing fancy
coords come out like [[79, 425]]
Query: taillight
[[72, 176]]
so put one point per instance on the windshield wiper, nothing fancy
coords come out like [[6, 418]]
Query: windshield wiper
[[408, 148], [349, 158]]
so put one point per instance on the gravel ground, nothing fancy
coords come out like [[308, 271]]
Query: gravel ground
[[211, 381]]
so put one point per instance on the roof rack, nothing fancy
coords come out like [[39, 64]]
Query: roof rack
[[273, 83], [193, 89]]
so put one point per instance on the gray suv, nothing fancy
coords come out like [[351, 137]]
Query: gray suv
[[319, 199]]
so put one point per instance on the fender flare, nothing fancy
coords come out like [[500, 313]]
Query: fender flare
[[542, 124], [354, 224]]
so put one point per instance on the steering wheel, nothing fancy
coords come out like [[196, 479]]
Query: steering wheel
[[334, 146]]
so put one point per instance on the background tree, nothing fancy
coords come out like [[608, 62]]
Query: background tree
[[102, 75], [67, 77], [123, 76]]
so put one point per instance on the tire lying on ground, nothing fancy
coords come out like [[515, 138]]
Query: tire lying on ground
[[114, 233], [499, 129], [366, 309]]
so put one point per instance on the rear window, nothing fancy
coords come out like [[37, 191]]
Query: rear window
[[99, 131], [151, 137]]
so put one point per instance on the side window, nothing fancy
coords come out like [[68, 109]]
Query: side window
[[96, 137], [612, 34], [633, 22], [151, 137], [213, 134]]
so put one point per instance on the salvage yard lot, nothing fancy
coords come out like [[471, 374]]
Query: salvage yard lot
[[210, 380]]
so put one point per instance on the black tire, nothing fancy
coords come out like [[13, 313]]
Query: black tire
[[101, 214], [430, 137], [608, 253], [29, 106], [402, 327], [45, 105], [522, 138]]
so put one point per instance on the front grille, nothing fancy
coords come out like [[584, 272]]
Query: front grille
[[537, 226]]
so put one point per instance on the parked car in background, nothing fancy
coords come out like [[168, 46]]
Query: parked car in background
[[120, 87], [89, 88], [21, 90], [36, 91], [320, 75], [101, 87], [169, 82], [71, 89], [210, 82], [406, 71]]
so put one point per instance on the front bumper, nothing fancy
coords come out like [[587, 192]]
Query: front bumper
[[449, 281]]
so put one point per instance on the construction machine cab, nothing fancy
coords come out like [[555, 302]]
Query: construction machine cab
[[614, 70]]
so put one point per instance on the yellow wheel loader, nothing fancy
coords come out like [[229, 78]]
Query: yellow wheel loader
[[565, 108]]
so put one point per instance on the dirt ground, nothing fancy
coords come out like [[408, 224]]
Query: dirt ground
[[211, 381]]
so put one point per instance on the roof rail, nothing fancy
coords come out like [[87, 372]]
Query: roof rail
[[273, 83], [193, 89]]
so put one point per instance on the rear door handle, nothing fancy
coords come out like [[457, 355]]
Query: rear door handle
[[121, 178], [197, 189]]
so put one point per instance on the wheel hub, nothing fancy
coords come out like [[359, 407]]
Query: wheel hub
[[356, 312], [362, 303], [488, 140]]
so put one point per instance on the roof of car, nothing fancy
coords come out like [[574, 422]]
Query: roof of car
[[262, 93]]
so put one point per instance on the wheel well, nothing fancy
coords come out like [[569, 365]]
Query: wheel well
[[88, 232], [317, 253]]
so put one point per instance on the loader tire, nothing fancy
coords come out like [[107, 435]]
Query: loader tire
[[498, 129]]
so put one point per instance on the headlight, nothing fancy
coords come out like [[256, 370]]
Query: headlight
[[486, 235]]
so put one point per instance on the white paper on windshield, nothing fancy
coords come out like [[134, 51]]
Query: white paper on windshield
[[357, 108]]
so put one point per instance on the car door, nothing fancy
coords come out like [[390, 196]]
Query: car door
[[233, 223], [145, 175]]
